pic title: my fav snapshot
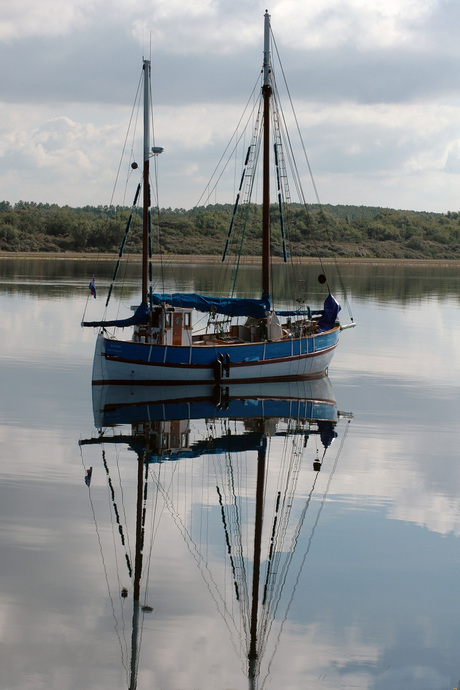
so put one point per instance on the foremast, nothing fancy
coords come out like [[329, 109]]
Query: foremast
[[253, 653], [146, 183], [266, 93], [135, 641]]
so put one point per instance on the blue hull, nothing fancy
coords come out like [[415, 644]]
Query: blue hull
[[118, 361]]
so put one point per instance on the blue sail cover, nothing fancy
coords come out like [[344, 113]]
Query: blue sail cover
[[299, 312], [328, 313], [231, 306], [223, 305], [330, 310], [140, 316]]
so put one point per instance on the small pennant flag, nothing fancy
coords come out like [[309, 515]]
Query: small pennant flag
[[92, 287], [89, 474]]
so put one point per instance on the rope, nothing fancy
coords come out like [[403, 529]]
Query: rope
[[216, 169], [135, 105], [86, 306], [201, 563], [154, 186], [326, 491], [123, 244], [117, 516], [290, 484], [323, 215], [125, 648]]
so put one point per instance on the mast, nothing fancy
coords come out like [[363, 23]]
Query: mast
[[141, 460], [266, 93], [137, 573], [253, 654], [146, 198]]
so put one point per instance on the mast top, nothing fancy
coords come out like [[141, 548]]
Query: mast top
[[266, 49]]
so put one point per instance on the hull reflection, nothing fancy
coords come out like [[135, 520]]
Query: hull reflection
[[116, 405]]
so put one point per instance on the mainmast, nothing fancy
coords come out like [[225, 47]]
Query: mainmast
[[266, 93], [253, 655], [146, 184]]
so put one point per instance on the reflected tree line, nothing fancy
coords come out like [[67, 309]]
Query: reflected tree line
[[328, 231], [384, 282]]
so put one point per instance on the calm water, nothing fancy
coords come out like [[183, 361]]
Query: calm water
[[368, 599]]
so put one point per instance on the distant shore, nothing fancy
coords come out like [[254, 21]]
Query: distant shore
[[214, 259]]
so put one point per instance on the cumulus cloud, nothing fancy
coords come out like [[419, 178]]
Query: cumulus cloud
[[376, 88], [48, 18]]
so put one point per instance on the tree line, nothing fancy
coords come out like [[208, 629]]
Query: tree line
[[343, 231]]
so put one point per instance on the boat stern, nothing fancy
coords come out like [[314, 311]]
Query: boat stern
[[99, 360]]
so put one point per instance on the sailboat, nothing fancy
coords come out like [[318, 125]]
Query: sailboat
[[260, 434], [247, 339]]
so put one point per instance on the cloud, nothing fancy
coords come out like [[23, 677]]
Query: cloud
[[49, 18], [376, 88], [51, 156], [364, 24]]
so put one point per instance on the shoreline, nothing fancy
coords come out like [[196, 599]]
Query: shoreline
[[215, 259]]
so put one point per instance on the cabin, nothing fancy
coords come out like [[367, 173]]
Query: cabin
[[169, 326]]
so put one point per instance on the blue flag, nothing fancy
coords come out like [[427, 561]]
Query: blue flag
[[92, 287]]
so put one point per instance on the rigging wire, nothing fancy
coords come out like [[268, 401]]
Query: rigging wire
[[117, 175], [255, 148], [293, 165], [113, 504], [227, 469], [83, 318], [202, 565], [144, 512], [227, 540], [225, 477], [342, 284], [325, 494], [129, 129], [287, 485], [156, 517], [287, 489], [230, 150], [120, 483], [122, 642], [238, 139], [156, 196]]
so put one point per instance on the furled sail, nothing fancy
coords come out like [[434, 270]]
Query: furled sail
[[140, 316], [328, 313], [330, 310], [231, 306]]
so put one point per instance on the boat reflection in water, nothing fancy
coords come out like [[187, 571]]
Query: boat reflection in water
[[250, 443]]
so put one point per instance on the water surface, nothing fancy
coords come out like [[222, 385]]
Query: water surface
[[370, 599]]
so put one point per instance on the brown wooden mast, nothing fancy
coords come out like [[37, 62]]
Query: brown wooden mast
[[141, 460], [253, 654], [266, 92], [146, 174]]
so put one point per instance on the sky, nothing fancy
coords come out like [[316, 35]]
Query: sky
[[376, 88]]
